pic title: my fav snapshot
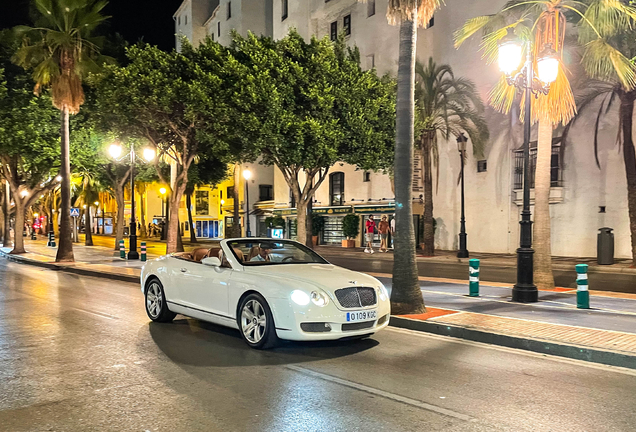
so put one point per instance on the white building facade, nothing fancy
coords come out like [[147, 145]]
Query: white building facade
[[584, 197]]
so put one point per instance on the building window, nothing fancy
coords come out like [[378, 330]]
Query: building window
[[229, 10], [332, 231], [431, 22], [336, 189], [346, 23], [370, 61], [366, 176], [186, 20], [482, 166], [202, 203], [334, 31], [284, 9], [230, 192], [218, 29], [179, 19], [212, 34], [556, 171], [370, 8], [265, 192]]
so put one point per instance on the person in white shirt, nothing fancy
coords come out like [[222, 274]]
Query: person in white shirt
[[392, 230], [263, 255]]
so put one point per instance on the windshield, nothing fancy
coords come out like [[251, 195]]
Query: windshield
[[268, 252]]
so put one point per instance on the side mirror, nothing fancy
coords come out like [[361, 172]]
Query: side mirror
[[211, 261]]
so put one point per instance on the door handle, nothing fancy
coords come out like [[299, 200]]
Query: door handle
[[184, 270]]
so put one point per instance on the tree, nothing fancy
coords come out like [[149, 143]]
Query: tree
[[406, 295], [540, 25], [61, 52], [178, 103], [29, 139], [613, 81], [310, 105], [446, 107]]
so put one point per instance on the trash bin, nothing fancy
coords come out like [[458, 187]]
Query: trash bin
[[605, 247]]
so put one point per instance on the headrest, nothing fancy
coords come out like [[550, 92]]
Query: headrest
[[199, 253]]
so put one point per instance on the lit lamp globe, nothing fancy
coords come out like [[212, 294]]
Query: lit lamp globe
[[247, 174], [114, 150], [510, 53], [96, 203], [149, 154], [548, 66], [162, 191]]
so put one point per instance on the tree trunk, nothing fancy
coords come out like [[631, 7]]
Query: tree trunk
[[406, 296], [301, 222], [142, 200], [310, 224], [6, 208], [193, 236], [65, 248], [427, 170], [119, 224], [173, 220], [543, 277], [626, 112], [18, 241], [87, 230], [236, 226]]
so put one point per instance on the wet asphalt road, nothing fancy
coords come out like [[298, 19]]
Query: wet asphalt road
[[79, 354]]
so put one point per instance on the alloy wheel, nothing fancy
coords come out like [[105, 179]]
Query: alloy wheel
[[154, 300], [253, 321]]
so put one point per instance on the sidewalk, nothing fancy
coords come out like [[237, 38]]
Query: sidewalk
[[604, 334]]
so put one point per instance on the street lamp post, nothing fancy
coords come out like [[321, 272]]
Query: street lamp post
[[461, 146], [510, 55], [247, 174], [149, 154]]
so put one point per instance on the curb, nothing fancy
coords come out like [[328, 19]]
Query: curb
[[610, 358], [75, 270]]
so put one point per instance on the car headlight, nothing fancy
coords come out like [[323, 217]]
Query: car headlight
[[300, 297], [384, 294], [319, 299]]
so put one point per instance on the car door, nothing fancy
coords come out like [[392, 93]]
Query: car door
[[204, 287]]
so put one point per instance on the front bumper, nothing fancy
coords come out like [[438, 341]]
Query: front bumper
[[289, 319]]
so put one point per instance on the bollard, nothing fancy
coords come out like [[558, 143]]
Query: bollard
[[582, 293], [143, 251], [33, 236], [51, 242], [122, 250], [473, 277]]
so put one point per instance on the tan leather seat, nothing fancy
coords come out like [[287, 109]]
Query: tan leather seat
[[199, 253]]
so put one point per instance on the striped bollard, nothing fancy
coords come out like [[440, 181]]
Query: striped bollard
[[582, 293], [143, 251], [122, 250], [473, 277]]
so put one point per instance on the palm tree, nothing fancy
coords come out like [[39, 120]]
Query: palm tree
[[541, 25], [446, 106], [406, 295], [614, 82], [61, 52], [88, 189]]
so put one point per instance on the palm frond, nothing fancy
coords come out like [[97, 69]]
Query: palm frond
[[604, 62], [403, 10]]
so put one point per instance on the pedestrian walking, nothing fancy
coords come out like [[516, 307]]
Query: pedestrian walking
[[383, 229], [393, 230], [369, 230]]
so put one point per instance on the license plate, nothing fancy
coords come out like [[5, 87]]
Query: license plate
[[362, 315]]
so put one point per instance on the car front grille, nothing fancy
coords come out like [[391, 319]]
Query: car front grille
[[355, 297], [357, 326], [315, 327]]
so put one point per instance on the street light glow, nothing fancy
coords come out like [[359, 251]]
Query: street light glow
[[58, 178], [96, 203], [548, 66], [510, 53], [163, 191], [24, 193], [247, 174], [84, 206], [149, 154], [35, 215], [115, 150]]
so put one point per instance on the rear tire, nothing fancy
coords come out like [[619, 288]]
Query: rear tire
[[256, 322], [156, 306]]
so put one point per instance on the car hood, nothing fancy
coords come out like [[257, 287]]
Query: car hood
[[325, 276]]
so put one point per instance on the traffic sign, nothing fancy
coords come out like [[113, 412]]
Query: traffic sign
[[75, 212]]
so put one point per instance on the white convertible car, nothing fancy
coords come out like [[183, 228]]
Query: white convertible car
[[267, 289]]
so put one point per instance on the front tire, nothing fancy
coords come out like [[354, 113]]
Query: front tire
[[156, 306], [256, 322]]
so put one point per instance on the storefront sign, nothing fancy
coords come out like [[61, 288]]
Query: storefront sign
[[374, 209]]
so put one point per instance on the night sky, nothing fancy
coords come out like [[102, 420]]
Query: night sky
[[150, 20]]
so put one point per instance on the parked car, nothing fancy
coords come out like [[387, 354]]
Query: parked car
[[268, 289]]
